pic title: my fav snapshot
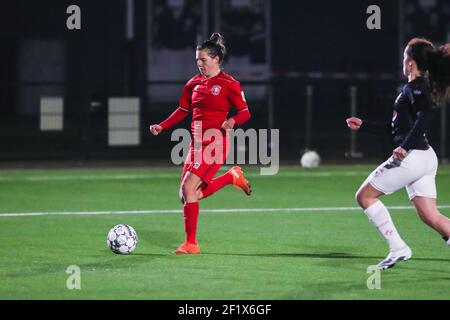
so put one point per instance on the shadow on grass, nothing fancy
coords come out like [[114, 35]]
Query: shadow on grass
[[151, 254], [330, 255]]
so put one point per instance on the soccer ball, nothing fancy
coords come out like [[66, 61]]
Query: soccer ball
[[310, 159], [122, 239]]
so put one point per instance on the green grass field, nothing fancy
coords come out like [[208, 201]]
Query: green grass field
[[263, 251]]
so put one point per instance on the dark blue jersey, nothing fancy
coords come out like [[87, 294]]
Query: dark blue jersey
[[411, 117]]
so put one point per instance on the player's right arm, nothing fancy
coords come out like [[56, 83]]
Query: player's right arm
[[355, 123], [178, 115], [155, 129]]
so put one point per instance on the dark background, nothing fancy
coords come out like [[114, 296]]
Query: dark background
[[40, 56]]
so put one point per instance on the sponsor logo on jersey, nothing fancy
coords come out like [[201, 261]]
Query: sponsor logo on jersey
[[417, 92], [215, 90]]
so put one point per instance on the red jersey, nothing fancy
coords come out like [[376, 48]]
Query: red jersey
[[209, 100]]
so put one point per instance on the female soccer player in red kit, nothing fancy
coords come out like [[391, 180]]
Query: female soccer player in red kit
[[208, 97]]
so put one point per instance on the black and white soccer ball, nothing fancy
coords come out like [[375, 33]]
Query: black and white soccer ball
[[122, 239], [310, 159]]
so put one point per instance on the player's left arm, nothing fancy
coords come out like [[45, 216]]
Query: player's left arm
[[237, 99]]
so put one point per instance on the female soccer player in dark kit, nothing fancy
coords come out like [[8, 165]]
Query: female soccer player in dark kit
[[208, 97], [413, 163]]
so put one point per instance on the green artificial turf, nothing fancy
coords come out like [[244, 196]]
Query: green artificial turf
[[263, 251]]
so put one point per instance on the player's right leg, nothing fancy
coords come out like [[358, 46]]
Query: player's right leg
[[393, 257], [368, 198], [386, 179], [189, 186]]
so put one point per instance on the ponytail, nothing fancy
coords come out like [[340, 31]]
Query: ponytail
[[439, 73], [435, 61], [215, 46]]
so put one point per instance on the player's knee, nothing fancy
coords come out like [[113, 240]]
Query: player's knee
[[187, 191], [364, 199], [360, 198], [180, 196]]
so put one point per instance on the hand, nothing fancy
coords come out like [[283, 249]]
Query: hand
[[229, 124], [399, 153], [156, 129], [354, 123]]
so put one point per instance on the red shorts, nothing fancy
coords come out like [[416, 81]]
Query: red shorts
[[206, 159]]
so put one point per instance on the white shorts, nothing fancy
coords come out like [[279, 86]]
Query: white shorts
[[416, 172]]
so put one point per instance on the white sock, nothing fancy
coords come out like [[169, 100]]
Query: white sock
[[381, 219]]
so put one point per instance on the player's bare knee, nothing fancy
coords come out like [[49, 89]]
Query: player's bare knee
[[357, 197], [187, 191], [183, 192], [180, 194], [360, 198]]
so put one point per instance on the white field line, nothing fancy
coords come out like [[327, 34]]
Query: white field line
[[243, 210], [300, 174]]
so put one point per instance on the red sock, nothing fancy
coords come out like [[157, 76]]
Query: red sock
[[217, 184], [190, 221]]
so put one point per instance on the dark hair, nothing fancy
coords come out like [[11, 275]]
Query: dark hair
[[437, 62], [215, 46]]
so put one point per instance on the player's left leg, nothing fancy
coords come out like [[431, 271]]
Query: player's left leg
[[428, 212], [215, 157], [239, 181], [215, 185], [234, 176], [423, 195]]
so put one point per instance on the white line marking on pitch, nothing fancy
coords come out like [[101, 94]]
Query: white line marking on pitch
[[243, 210], [302, 174]]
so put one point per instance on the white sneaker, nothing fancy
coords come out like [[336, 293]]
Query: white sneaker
[[394, 256]]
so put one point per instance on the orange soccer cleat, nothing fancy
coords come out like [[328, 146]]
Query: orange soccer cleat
[[187, 248], [239, 180]]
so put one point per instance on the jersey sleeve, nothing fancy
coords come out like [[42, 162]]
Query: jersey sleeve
[[185, 99], [177, 116], [183, 110], [237, 99], [380, 128]]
